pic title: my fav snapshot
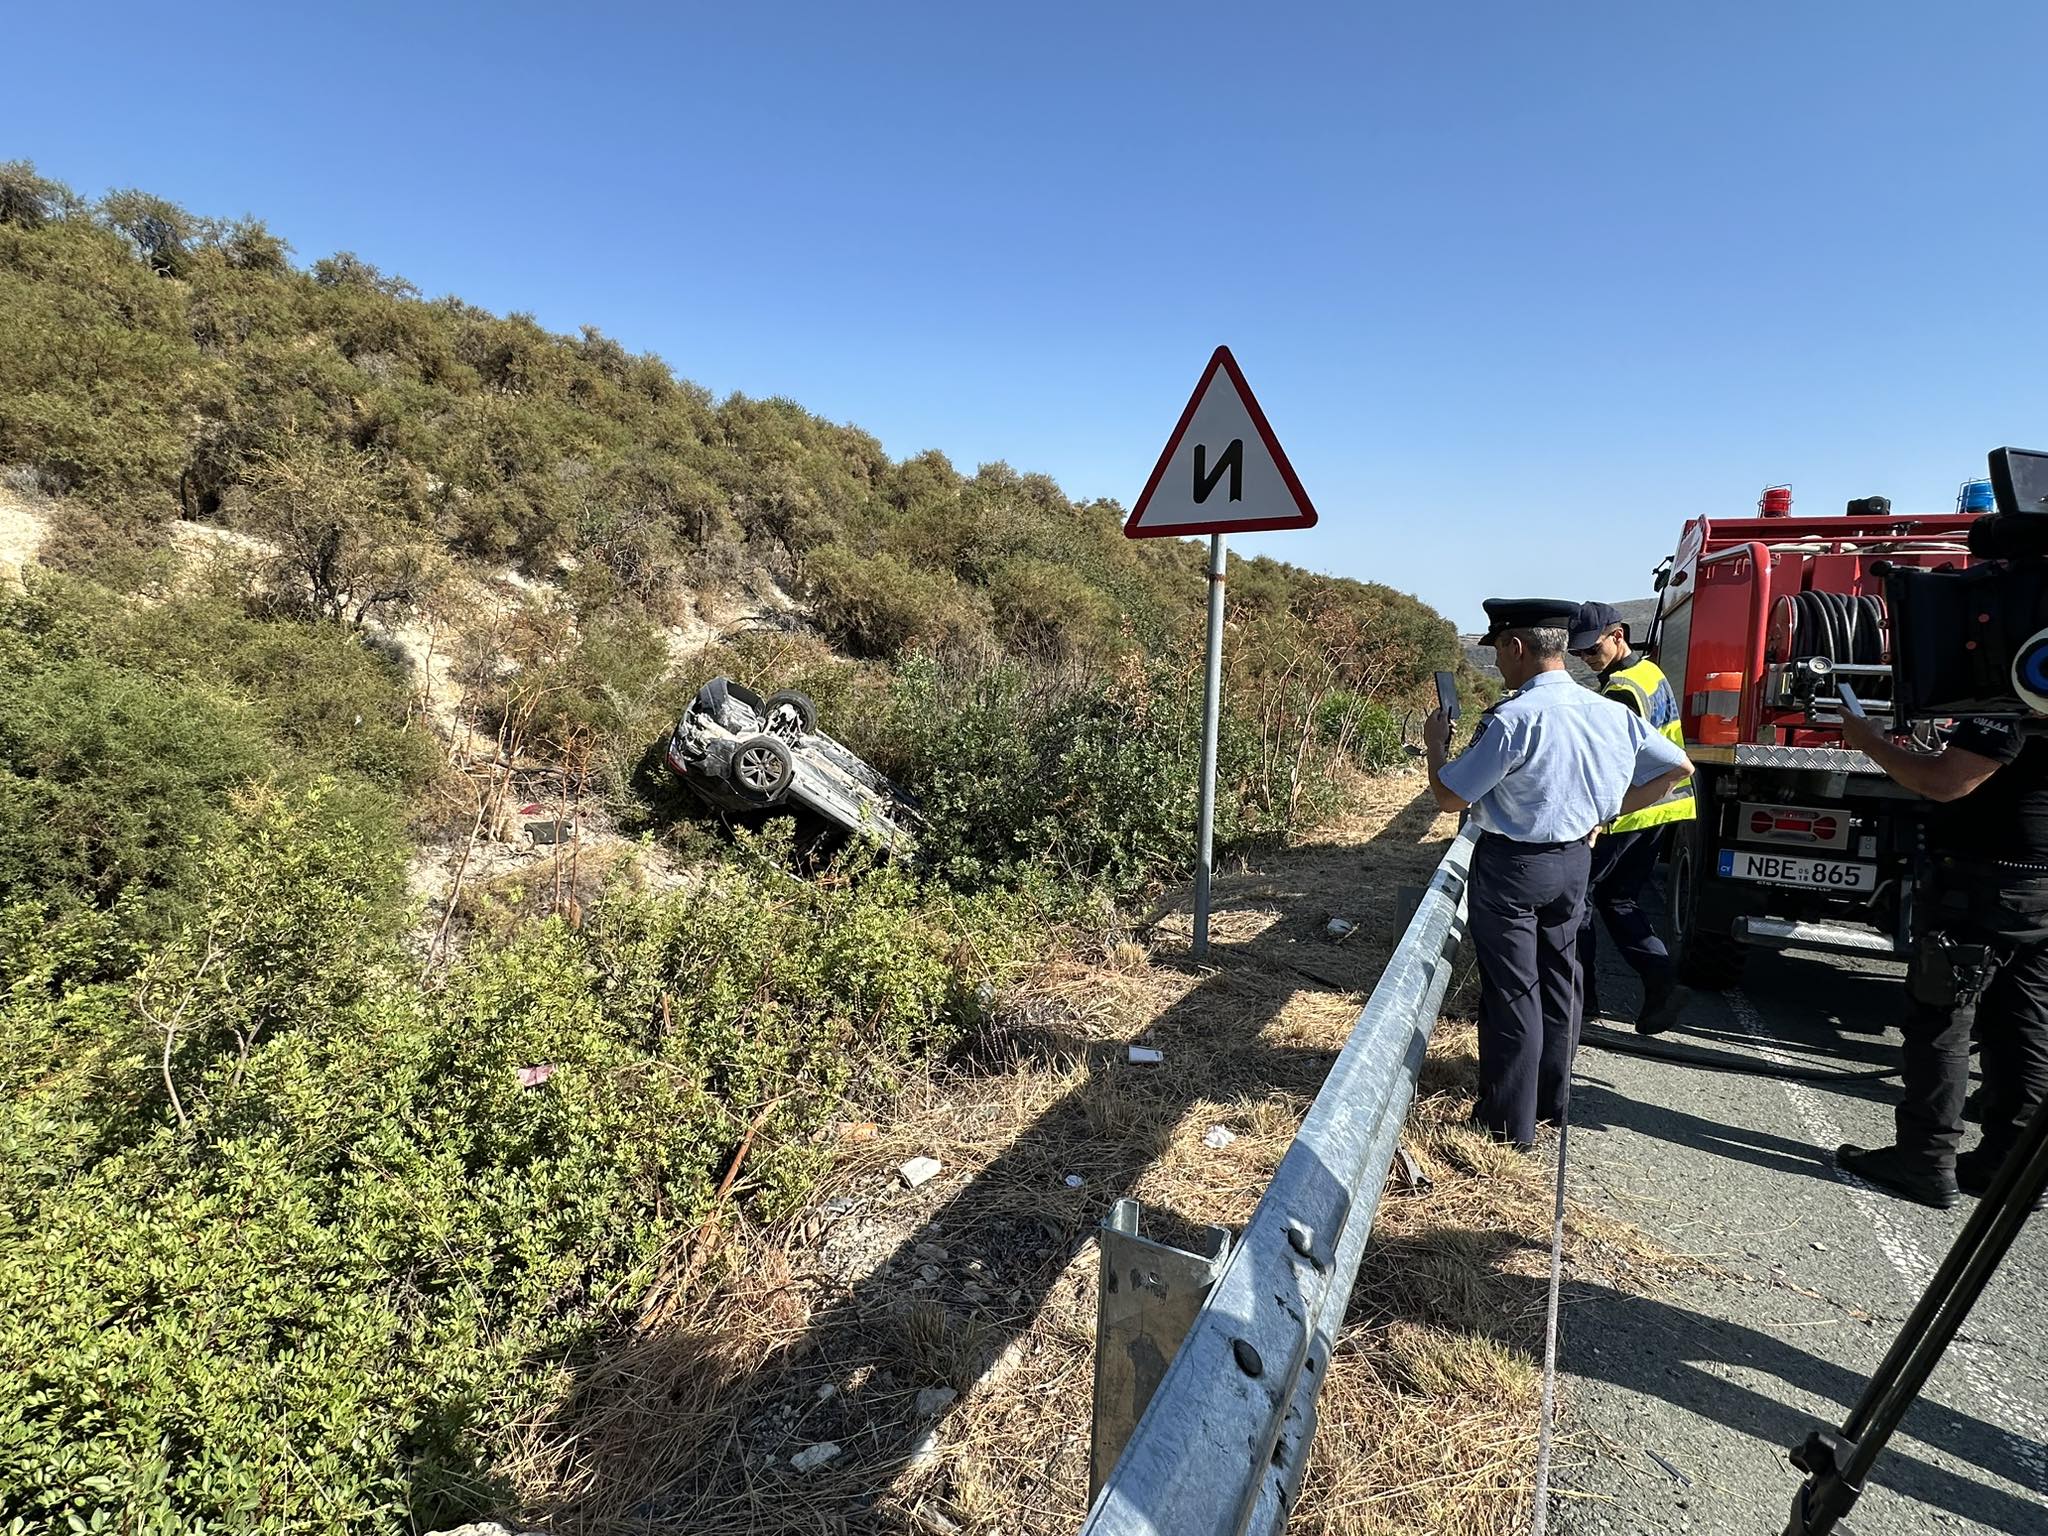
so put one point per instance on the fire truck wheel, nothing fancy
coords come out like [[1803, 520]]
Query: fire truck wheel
[[1703, 944]]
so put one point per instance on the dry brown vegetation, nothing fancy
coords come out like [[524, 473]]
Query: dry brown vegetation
[[983, 1282]]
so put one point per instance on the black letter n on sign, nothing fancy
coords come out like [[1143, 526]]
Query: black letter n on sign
[[1232, 459]]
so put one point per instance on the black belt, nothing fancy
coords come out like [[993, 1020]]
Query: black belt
[[1502, 837]]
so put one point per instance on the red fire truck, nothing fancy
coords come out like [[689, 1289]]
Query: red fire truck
[[1800, 842]]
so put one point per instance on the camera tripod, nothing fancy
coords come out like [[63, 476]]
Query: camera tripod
[[1837, 1462]]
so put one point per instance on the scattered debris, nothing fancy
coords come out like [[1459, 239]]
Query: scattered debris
[[812, 1457], [1408, 1173], [919, 1170], [931, 1274], [827, 1392], [839, 1205], [1075, 1181], [549, 832], [934, 1400], [925, 1449], [1146, 1056], [1007, 1361], [1677, 1476], [865, 1130], [1341, 928], [533, 1077], [1217, 1137]]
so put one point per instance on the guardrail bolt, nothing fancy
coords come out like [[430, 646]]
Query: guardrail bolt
[[1303, 1242], [1248, 1359]]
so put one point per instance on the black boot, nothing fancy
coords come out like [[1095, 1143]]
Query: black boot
[[1663, 1002], [1976, 1169], [1898, 1172]]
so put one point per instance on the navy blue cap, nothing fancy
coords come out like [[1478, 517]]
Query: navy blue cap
[[1592, 621], [1505, 613]]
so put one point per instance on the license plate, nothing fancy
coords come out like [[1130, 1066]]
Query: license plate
[[1789, 869]]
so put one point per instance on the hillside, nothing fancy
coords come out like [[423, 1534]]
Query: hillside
[[319, 603], [157, 365]]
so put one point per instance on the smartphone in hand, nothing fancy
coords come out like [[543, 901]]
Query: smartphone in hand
[[1850, 703], [1447, 694]]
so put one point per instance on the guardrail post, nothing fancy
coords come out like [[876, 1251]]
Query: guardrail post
[[1150, 1293], [1219, 1446], [1407, 902]]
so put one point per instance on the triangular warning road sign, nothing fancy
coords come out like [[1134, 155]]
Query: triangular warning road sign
[[1223, 470]]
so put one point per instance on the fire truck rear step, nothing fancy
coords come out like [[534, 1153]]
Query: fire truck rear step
[[1836, 938]]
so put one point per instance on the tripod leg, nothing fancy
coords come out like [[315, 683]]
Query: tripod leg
[[1837, 1464]]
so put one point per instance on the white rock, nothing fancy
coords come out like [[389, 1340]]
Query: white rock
[[1075, 1181], [919, 1170], [1340, 927], [1218, 1137], [827, 1392], [812, 1457], [1146, 1056], [934, 1400]]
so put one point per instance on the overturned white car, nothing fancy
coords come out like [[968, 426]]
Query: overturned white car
[[740, 752]]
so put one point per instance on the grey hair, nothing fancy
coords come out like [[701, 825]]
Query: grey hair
[[1546, 643]]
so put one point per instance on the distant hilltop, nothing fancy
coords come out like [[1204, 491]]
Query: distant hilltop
[[1636, 612]]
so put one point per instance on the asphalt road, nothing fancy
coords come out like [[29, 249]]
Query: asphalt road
[[1681, 1406]]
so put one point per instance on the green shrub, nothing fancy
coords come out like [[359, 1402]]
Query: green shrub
[[1096, 781], [320, 1287]]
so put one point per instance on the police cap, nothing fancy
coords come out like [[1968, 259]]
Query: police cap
[[1593, 621], [1505, 613]]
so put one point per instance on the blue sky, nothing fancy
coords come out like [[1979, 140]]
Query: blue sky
[[1520, 287]]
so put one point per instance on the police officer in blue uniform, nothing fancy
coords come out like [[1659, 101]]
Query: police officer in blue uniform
[[1546, 767]]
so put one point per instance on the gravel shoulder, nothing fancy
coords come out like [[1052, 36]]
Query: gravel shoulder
[[1682, 1405]]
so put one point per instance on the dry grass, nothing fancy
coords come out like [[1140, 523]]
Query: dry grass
[[983, 1282]]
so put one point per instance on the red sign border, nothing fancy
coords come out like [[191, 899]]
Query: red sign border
[[1305, 517]]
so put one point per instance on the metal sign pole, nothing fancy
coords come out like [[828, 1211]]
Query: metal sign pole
[[1212, 702]]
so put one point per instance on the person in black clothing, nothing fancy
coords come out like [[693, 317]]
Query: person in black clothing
[[1981, 957]]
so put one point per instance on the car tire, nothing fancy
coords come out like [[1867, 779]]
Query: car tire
[[806, 710], [1704, 948], [762, 768]]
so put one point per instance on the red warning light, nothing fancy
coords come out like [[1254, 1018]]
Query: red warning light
[[1776, 501]]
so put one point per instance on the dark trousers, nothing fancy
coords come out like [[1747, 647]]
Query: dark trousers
[[1526, 901], [2008, 915], [1622, 866]]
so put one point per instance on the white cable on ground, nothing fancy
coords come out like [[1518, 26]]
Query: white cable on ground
[[1540, 1521]]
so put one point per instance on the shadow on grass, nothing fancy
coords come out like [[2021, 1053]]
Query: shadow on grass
[[673, 1433]]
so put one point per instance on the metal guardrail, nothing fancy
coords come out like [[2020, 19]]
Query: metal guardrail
[[1220, 1448]]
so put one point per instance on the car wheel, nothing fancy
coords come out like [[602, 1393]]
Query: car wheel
[[806, 710], [762, 769]]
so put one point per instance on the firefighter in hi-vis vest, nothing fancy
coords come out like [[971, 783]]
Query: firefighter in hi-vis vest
[[1625, 854]]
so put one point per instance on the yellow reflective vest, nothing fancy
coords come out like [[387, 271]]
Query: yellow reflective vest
[[1643, 687]]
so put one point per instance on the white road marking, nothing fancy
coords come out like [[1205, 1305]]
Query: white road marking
[[1899, 1247]]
